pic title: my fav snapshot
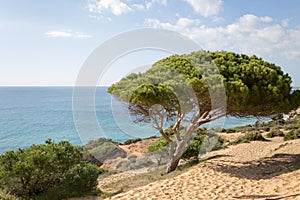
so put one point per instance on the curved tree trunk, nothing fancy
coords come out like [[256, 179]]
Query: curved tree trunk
[[175, 156], [172, 165]]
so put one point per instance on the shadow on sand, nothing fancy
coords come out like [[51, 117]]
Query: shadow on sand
[[261, 169]]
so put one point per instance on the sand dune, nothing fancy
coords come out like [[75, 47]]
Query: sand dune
[[257, 170]]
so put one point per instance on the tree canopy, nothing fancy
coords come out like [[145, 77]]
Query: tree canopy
[[253, 86]]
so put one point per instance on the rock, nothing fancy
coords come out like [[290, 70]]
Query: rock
[[103, 149]]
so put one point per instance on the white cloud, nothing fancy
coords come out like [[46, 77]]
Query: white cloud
[[285, 22], [116, 7], [206, 7], [250, 34], [138, 7], [181, 24], [149, 4], [119, 7], [66, 34]]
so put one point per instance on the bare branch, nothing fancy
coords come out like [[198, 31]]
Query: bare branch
[[196, 117], [218, 112], [218, 117], [176, 127], [177, 124], [165, 135], [204, 115]]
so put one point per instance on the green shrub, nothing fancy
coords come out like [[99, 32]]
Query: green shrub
[[132, 141], [292, 135], [33, 171], [230, 130], [202, 143], [254, 136], [158, 145], [275, 133], [292, 126], [81, 178], [195, 146]]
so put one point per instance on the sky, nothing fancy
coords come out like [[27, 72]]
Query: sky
[[45, 43]]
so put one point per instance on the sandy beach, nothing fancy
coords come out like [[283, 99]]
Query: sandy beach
[[256, 170]]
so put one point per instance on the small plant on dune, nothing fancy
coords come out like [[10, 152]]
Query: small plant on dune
[[292, 135], [254, 136], [132, 141], [196, 145], [275, 133], [158, 145]]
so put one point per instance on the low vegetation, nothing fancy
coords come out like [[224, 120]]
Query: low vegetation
[[47, 171], [292, 135], [199, 144], [248, 137], [275, 133], [132, 141]]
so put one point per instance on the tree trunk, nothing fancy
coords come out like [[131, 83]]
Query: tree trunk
[[172, 165], [176, 156]]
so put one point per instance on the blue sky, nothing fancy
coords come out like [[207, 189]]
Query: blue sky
[[46, 42]]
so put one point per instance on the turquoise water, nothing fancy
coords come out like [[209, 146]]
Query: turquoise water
[[30, 115]]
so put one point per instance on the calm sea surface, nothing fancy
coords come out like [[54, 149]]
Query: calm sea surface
[[31, 115]]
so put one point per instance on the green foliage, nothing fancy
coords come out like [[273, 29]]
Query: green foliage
[[158, 145], [201, 143], [81, 178], [33, 171], [132, 141], [292, 124], [295, 99], [292, 135], [275, 133], [196, 145], [254, 136], [253, 86], [237, 129]]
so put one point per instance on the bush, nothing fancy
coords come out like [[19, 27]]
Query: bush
[[292, 135], [248, 138], [81, 178], [230, 130], [158, 145], [33, 171], [275, 133], [196, 144], [202, 143], [132, 141], [194, 147]]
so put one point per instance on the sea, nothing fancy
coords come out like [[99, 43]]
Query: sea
[[31, 115]]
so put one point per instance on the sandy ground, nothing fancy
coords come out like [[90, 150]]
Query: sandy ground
[[140, 147], [257, 170]]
